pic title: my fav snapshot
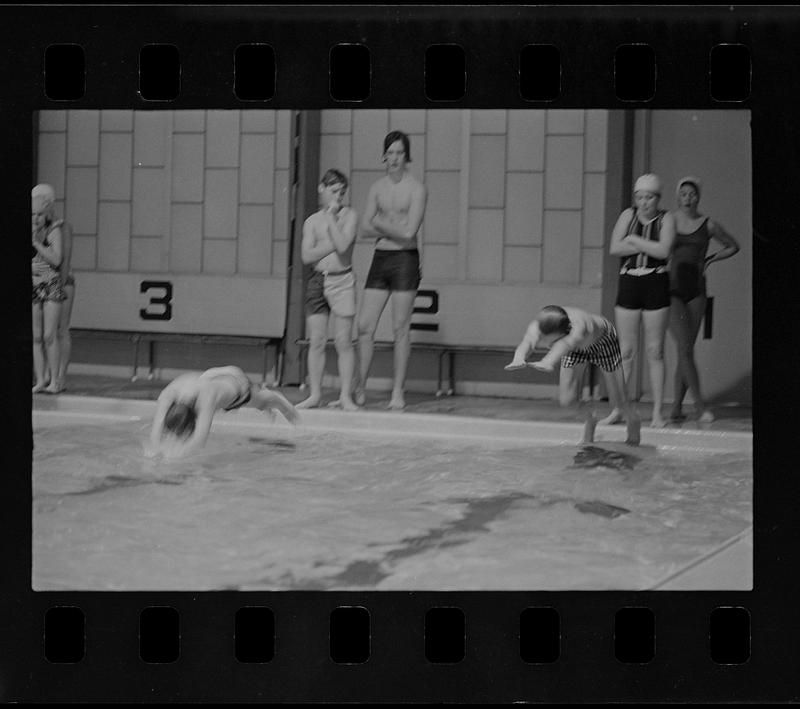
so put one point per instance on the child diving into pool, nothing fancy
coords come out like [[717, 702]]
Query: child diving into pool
[[577, 337], [187, 406]]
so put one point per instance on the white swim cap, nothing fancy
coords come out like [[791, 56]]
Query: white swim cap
[[44, 192], [648, 183], [692, 181]]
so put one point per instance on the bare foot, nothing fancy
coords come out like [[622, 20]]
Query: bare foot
[[311, 403], [706, 416], [38, 387], [677, 415], [345, 404], [360, 397], [658, 423], [588, 432], [397, 402], [54, 388], [634, 432], [614, 417]]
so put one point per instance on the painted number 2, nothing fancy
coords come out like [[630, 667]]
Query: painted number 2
[[164, 301], [431, 309]]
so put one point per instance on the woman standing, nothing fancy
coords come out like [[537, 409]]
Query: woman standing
[[48, 293], [688, 289], [643, 237]]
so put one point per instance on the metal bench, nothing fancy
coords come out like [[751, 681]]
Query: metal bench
[[151, 338], [444, 350]]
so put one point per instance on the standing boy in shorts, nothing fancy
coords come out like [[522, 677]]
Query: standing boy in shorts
[[576, 337], [187, 406], [328, 238]]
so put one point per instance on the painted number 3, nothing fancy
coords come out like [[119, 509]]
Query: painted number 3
[[159, 308]]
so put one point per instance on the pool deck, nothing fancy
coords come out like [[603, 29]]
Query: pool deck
[[729, 418]]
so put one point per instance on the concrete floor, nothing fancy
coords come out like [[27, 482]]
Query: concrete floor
[[729, 418]]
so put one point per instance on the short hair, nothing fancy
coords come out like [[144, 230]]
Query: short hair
[[393, 137], [333, 177], [553, 320], [180, 419]]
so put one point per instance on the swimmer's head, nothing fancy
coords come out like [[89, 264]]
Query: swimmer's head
[[688, 190], [43, 199], [553, 324], [332, 186], [180, 419], [396, 147], [646, 194]]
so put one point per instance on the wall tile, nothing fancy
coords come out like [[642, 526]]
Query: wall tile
[[487, 176], [83, 137], [283, 139], [149, 138], [524, 209], [526, 140], [592, 267], [369, 129], [522, 264], [488, 121], [149, 202], [52, 121], [563, 187], [115, 166], [596, 140], [440, 262], [113, 236], [219, 256], [485, 244], [84, 253], [52, 160], [444, 139], [220, 207], [189, 121], [82, 199], [187, 167], [280, 214], [258, 169], [222, 139], [120, 121], [565, 121], [562, 247], [334, 152], [407, 120], [186, 243], [336, 120], [441, 214], [146, 254], [255, 239], [280, 260], [594, 210], [258, 121]]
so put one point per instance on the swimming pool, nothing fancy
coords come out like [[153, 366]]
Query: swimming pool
[[383, 501]]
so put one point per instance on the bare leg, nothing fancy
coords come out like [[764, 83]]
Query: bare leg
[[655, 329], [615, 384], [372, 305], [627, 322], [569, 397], [402, 308], [52, 313], [317, 326], [38, 348], [697, 309], [64, 336], [267, 400], [343, 328]]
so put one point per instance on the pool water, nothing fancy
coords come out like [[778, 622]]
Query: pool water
[[381, 501]]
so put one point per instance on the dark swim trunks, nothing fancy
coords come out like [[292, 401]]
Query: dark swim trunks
[[604, 352], [394, 270]]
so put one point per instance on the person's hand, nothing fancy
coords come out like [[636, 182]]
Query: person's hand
[[516, 364], [541, 365]]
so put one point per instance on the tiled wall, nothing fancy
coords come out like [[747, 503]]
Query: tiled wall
[[189, 192], [514, 196]]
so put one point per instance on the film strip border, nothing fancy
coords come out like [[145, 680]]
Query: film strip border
[[116, 628]]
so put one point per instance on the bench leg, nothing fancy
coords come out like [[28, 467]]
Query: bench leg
[[264, 368], [151, 355], [278, 364], [134, 370], [452, 373], [302, 363], [439, 391]]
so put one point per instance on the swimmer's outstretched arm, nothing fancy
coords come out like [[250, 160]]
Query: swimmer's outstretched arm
[[523, 349]]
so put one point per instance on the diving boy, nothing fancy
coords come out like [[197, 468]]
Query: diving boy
[[187, 406], [574, 336]]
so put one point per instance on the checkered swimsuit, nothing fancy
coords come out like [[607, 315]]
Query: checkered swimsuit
[[604, 352]]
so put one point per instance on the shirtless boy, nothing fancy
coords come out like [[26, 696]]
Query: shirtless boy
[[328, 238], [187, 406], [392, 218], [576, 337]]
